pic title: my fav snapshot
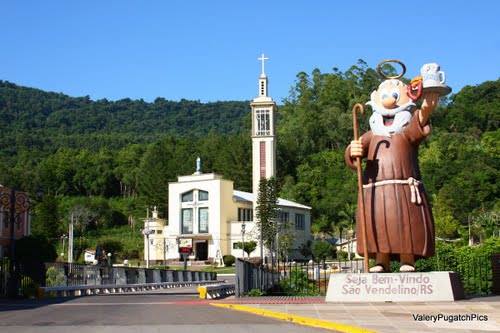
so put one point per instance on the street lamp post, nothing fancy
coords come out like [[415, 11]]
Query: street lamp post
[[63, 239], [243, 226], [146, 232]]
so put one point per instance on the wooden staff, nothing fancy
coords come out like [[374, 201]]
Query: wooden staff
[[359, 108]]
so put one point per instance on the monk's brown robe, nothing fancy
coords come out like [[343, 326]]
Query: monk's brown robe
[[395, 225]]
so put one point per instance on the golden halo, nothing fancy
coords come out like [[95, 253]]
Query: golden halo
[[385, 76]]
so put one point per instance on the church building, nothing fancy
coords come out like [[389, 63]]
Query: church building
[[206, 213]]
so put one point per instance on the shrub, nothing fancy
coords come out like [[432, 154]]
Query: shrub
[[29, 287], [117, 218], [305, 249], [250, 246], [35, 249], [228, 260], [321, 250], [31, 253], [129, 253], [341, 255], [255, 293], [473, 263], [110, 245], [55, 277], [298, 284]]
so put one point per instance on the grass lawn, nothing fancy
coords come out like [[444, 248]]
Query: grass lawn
[[220, 270]]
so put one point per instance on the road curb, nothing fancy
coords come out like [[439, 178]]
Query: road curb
[[305, 321]]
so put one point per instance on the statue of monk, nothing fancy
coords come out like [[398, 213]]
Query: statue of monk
[[399, 222]]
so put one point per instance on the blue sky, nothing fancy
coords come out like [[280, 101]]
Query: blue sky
[[208, 50]]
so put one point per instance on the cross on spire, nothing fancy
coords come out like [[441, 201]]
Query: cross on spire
[[263, 59]]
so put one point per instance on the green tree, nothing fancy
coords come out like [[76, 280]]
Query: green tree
[[249, 247], [127, 169], [446, 225], [285, 242], [321, 250], [46, 218], [267, 212]]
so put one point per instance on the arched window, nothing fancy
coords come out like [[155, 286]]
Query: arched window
[[187, 197], [202, 195]]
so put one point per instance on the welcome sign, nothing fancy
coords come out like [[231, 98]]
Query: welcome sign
[[400, 287]]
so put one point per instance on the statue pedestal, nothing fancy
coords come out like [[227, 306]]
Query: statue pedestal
[[395, 287]]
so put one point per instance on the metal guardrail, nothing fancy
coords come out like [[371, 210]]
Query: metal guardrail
[[216, 291], [66, 274], [83, 290]]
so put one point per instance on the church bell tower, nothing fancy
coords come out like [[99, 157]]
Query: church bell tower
[[263, 133]]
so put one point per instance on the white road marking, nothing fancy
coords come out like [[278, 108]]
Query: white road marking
[[94, 304]]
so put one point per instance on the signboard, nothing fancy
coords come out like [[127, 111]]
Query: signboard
[[185, 245], [185, 250], [185, 242], [394, 287]]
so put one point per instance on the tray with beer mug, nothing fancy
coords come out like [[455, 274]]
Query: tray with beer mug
[[434, 79]]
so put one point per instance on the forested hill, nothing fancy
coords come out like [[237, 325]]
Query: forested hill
[[114, 159], [60, 120]]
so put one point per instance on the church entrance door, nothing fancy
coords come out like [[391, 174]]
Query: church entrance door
[[202, 250]]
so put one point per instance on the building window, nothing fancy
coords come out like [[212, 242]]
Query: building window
[[236, 245], [187, 221], [159, 232], [202, 195], [299, 222], [187, 197], [245, 214], [203, 220], [263, 122], [284, 217]]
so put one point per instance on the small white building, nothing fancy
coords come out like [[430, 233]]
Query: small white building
[[89, 256], [348, 246], [207, 213], [155, 245]]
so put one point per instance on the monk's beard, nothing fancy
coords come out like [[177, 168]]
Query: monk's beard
[[387, 122]]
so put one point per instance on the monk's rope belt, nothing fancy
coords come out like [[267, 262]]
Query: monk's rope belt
[[411, 182]]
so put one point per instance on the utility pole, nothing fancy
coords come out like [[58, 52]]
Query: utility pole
[[147, 242], [70, 240]]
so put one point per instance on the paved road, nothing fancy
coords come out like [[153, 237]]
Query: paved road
[[173, 310]]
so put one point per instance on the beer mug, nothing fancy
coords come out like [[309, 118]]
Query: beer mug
[[432, 76], [434, 79]]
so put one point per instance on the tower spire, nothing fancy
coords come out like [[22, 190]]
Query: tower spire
[[263, 77]]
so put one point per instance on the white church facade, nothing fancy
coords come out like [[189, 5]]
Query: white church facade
[[206, 213]]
